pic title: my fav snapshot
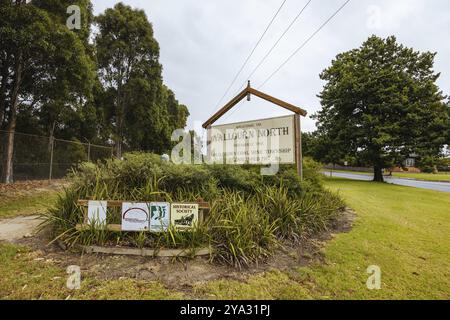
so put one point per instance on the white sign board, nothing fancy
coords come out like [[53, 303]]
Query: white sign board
[[159, 216], [97, 212], [258, 142], [135, 216], [184, 215]]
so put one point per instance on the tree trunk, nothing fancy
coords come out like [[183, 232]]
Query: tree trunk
[[119, 123], [378, 173], [119, 145], [3, 87], [8, 166], [119, 134]]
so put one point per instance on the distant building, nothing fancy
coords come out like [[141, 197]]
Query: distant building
[[409, 164]]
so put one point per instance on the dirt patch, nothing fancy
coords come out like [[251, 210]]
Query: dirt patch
[[177, 273], [15, 229]]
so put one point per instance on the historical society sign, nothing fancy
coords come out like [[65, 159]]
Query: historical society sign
[[254, 142]]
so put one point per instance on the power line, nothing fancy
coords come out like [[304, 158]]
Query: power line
[[304, 43], [272, 48], [298, 49], [251, 53], [279, 39]]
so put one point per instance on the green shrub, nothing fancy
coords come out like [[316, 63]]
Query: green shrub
[[251, 215], [241, 232]]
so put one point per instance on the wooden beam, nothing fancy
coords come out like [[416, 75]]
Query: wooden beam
[[208, 143], [278, 102], [298, 146], [226, 108], [144, 252], [203, 205], [109, 227], [248, 91]]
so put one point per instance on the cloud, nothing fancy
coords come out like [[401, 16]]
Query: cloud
[[203, 44]]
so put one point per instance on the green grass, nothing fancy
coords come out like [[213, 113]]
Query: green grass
[[440, 177], [424, 176], [23, 205], [352, 172], [404, 231], [25, 278]]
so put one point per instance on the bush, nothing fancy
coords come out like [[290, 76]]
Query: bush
[[250, 214]]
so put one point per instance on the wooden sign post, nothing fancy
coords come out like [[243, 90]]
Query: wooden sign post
[[298, 146], [247, 92]]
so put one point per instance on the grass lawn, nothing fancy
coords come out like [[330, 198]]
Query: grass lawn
[[404, 231], [26, 204], [24, 278], [445, 177], [424, 176]]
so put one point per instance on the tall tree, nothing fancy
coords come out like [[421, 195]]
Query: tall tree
[[63, 115], [42, 61], [381, 103], [143, 112]]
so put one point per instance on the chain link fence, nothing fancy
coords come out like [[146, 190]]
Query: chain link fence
[[39, 157]]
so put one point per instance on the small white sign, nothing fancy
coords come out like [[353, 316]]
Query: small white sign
[[97, 212], [184, 215], [159, 216], [135, 216]]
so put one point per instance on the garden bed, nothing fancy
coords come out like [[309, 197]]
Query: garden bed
[[182, 273], [251, 216]]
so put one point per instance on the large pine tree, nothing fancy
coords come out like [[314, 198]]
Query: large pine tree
[[381, 104]]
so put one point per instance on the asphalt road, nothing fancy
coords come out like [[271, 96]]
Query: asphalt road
[[437, 186]]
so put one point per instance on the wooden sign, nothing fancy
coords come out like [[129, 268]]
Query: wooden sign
[[135, 216], [159, 216], [184, 215], [259, 142], [283, 153]]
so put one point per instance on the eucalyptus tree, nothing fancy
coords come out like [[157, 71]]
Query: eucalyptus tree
[[41, 61], [141, 110]]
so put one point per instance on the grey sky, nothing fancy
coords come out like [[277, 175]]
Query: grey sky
[[204, 43]]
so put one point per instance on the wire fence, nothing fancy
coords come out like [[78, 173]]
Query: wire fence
[[39, 157]]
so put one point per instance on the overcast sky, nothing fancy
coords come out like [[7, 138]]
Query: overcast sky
[[204, 43]]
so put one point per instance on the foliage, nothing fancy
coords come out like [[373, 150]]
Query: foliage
[[250, 215], [138, 108], [381, 103], [65, 83], [410, 248], [45, 70]]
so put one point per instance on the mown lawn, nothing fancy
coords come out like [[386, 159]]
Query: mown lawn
[[423, 176], [27, 204], [404, 231], [442, 177], [25, 278]]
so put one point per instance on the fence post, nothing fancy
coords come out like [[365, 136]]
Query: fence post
[[89, 151], [52, 143]]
